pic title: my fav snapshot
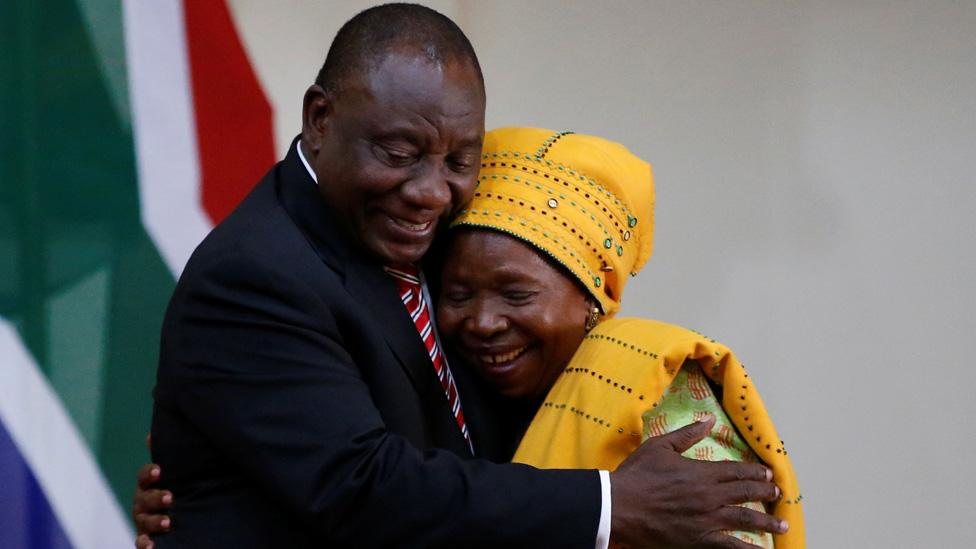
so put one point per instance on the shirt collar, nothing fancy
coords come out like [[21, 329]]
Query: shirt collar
[[308, 168]]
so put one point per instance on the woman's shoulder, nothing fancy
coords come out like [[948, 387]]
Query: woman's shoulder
[[630, 339], [646, 331]]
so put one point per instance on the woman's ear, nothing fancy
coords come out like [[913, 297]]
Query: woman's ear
[[593, 314]]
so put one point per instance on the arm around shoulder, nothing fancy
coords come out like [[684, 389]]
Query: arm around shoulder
[[255, 361]]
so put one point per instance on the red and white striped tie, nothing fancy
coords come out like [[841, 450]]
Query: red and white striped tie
[[407, 279]]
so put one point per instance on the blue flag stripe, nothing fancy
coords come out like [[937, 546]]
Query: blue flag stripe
[[26, 518]]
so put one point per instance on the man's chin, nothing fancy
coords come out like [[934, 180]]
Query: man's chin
[[397, 253]]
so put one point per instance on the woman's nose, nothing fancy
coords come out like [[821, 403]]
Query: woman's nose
[[486, 322]]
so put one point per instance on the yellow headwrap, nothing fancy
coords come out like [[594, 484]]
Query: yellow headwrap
[[584, 201]]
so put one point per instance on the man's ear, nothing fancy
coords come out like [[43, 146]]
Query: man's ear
[[317, 109]]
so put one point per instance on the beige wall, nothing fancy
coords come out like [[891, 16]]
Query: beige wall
[[815, 170]]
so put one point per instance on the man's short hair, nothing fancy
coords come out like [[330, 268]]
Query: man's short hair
[[365, 40]]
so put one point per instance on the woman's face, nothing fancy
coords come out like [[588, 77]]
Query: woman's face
[[508, 312]]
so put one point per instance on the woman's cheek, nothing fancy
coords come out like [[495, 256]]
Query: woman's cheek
[[447, 322]]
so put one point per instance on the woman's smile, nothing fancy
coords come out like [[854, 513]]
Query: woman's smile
[[501, 359]]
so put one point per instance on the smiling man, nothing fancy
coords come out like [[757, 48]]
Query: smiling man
[[302, 399], [397, 152]]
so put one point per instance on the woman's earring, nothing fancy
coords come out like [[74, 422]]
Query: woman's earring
[[592, 319]]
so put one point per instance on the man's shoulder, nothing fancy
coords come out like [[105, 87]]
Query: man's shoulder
[[258, 221], [259, 229]]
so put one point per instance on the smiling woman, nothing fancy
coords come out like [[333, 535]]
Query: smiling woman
[[535, 271], [512, 313]]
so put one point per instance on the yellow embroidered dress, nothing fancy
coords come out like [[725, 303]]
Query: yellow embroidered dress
[[632, 379]]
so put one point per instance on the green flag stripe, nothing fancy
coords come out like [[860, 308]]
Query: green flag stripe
[[103, 22], [85, 288]]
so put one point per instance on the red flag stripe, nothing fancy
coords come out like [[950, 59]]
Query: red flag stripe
[[233, 116]]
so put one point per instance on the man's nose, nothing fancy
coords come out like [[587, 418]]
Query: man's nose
[[430, 189]]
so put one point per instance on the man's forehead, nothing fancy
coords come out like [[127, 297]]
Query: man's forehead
[[411, 67], [407, 83]]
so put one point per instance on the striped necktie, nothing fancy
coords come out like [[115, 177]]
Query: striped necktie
[[408, 283]]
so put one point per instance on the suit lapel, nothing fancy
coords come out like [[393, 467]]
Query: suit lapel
[[378, 294]]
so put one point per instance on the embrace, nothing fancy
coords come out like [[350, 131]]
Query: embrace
[[406, 336]]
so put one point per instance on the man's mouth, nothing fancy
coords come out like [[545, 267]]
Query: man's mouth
[[411, 226], [502, 357]]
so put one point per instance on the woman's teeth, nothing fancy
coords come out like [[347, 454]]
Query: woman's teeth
[[411, 226], [506, 357]]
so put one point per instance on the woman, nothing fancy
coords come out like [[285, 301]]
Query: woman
[[533, 276], [535, 271]]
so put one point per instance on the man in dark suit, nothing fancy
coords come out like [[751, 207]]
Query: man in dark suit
[[296, 404]]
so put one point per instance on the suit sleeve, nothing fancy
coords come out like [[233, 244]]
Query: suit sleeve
[[261, 371]]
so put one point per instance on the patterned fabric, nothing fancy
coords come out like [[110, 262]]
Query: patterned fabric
[[605, 403], [407, 279], [584, 201], [688, 399]]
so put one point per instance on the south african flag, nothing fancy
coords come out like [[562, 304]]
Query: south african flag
[[129, 128]]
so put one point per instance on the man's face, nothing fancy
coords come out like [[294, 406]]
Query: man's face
[[397, 151]]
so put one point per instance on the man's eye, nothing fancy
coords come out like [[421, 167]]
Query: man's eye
[[394, 157], [400, 159], [459, 166]]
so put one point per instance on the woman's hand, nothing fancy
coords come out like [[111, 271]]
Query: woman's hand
[[149, 505]]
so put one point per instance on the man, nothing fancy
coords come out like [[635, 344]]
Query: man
[[296, 402]]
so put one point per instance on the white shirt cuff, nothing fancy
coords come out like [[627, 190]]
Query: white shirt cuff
[[603, 531]]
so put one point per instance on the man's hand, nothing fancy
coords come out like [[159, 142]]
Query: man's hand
[[149, 504], [663, 498]]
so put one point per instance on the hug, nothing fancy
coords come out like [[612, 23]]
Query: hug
[[330, 377]]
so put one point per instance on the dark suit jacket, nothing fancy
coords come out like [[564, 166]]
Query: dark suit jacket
[[296, 406]]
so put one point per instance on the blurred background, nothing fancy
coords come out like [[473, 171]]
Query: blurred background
[[814, 164]]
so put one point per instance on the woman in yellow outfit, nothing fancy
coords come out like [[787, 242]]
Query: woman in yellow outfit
[[535, 272]]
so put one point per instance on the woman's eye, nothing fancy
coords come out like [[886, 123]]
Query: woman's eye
[[457, 297], [517, 296]]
